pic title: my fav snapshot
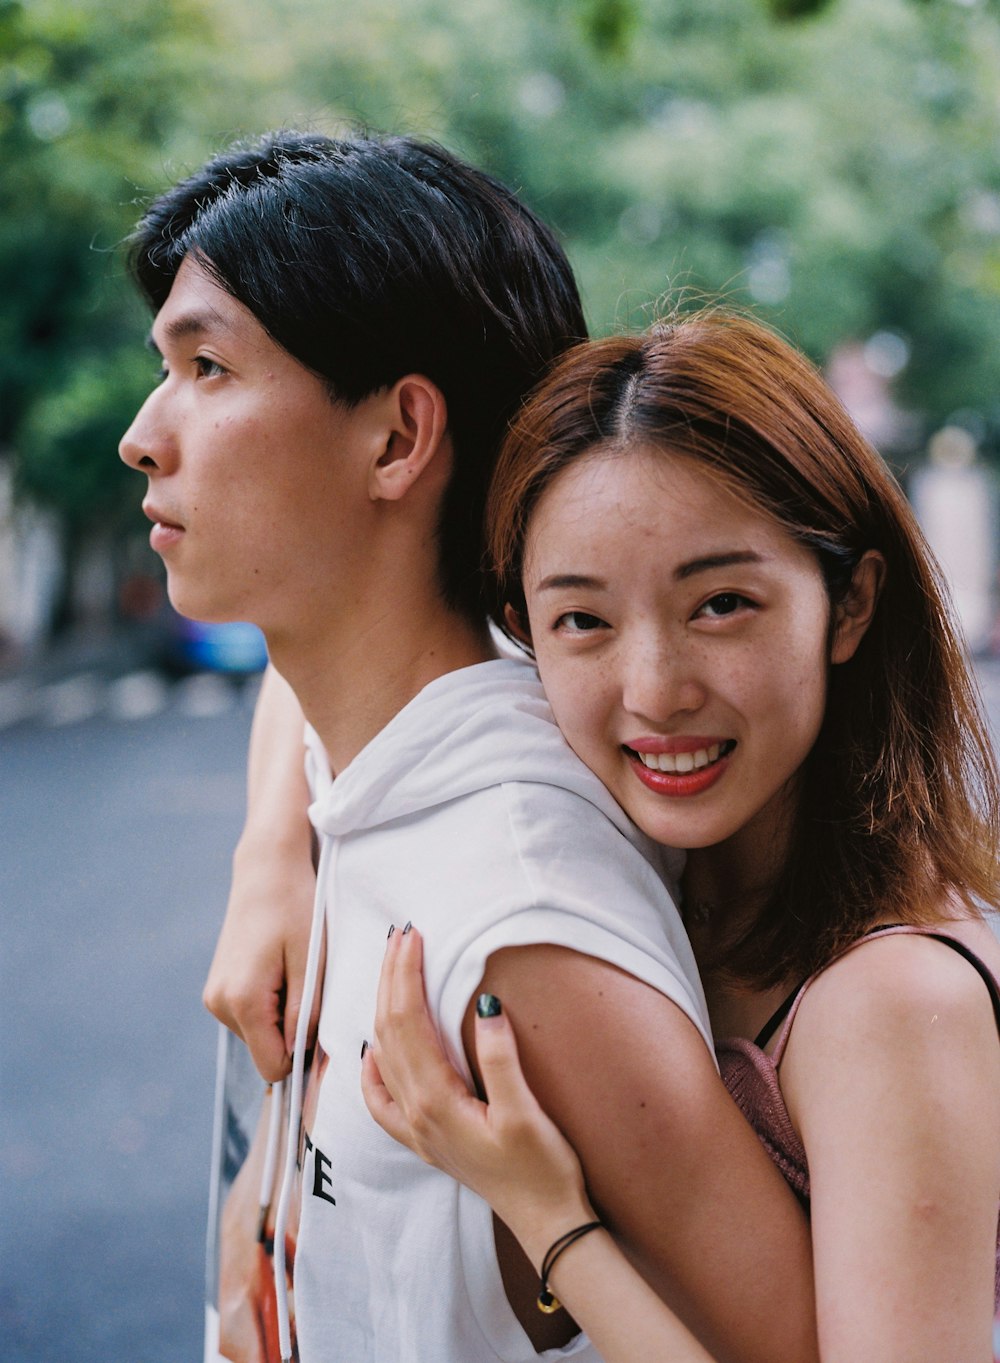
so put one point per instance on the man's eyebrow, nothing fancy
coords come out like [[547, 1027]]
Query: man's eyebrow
[[177, 328], [557, 580], [709, 561]]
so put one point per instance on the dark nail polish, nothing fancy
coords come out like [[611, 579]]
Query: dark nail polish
[[407, 928], [392, 929], [364, 1047], [488, 1006]]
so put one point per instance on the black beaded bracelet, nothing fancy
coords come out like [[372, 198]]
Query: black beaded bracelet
[[546, 1301]]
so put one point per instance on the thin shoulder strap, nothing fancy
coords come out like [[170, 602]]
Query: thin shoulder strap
[[778, 1016], [790, 1006], [988, 978]]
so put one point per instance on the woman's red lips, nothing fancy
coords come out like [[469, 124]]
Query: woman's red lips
[[682, 765]]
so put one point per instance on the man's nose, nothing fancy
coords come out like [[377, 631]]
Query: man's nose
[[146, 445]]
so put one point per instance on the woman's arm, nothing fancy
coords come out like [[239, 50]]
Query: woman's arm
[[892, 1076], [671, 1165], [513, 1156], [254, 985]]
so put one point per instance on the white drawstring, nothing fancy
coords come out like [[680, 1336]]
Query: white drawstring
[[295, 1101], [218, 1141], [276, 1095]]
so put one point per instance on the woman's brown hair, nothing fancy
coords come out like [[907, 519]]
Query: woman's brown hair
[[900, 796]]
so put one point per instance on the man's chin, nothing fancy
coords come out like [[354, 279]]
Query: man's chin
[[199, 607]]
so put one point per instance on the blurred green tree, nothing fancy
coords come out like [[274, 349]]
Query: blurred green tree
[[838, 172]]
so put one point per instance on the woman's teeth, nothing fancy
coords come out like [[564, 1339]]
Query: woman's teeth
[[684, 761]]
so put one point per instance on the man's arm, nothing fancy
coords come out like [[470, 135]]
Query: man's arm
[[254, 985], [671, 1165]]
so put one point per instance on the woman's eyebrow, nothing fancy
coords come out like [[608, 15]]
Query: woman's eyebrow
[[557, 580], [703, 564], [708, 561]]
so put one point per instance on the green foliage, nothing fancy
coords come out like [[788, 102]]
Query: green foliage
[[93, 106], [609, 26], [838, 175], [835, 170], [796, 9]]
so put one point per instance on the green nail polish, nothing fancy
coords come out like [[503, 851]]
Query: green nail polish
[[488, 1006]]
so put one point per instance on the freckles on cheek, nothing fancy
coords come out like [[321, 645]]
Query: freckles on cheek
[[576, 708], [807, 658], [555, 689], [801, 695]]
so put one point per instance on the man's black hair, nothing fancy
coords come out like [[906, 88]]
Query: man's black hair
[[369, 258]]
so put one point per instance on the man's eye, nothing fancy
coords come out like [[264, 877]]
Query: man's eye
[[722, 604], [579, 622], [208, 369]]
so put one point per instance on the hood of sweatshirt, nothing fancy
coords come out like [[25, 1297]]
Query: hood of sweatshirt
[[467, 731]]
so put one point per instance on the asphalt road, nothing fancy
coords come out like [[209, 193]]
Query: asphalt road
[[114, 845], [119, 809]]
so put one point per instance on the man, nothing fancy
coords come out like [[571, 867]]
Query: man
[[347, 329]]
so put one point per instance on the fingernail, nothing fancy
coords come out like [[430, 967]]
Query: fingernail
[[407, 928], [488, 1006], [364, 1047], [392, 929]]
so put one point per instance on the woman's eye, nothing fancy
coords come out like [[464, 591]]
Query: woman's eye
[[208, 369], [579, 622], [723, 604]]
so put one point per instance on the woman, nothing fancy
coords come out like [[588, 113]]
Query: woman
[[740, 631]]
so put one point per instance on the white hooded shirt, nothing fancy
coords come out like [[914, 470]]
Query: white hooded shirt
[[469, 815]]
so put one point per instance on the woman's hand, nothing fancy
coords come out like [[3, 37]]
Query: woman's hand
[[510, 1153], [506, 1149]]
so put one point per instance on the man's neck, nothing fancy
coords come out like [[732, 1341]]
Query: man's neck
[[352, 682]]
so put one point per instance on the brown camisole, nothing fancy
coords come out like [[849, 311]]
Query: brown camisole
[[751, 1075]]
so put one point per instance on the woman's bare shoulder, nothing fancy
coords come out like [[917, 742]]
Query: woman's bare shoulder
[[893, 983]]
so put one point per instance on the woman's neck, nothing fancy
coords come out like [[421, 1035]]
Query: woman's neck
[[725, 886], [722, 895], [717, 897]]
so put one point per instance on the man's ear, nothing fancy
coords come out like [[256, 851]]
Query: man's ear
[[517, 624], [414, 433], [854, 614]]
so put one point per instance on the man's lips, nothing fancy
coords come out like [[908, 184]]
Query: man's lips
[[165, 532], [682, 765], [160, 517]]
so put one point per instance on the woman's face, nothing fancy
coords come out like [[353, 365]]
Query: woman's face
[[682, 639]]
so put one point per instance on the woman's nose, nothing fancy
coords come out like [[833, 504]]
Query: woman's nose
[[660, 682]]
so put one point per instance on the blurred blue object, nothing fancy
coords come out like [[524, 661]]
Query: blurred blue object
[[235, 648]]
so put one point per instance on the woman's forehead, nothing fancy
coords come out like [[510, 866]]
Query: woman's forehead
[[607, 478]]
